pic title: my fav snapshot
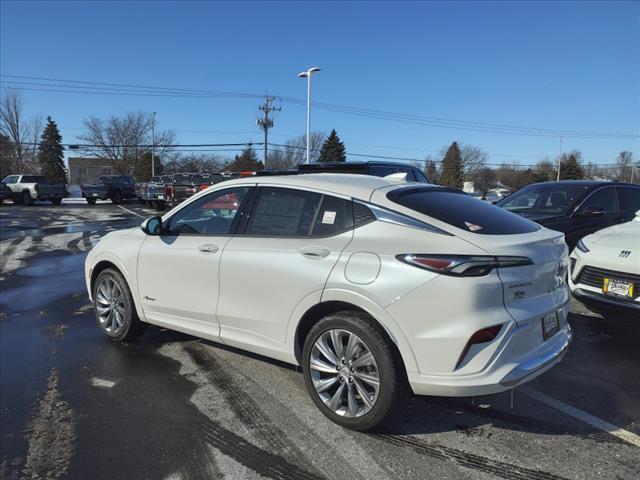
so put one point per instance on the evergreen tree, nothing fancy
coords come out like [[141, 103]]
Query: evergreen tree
[[431, 170], [246, 161], [50, 153], [452, 168], [571, 167], [142, 167], [332, 149]]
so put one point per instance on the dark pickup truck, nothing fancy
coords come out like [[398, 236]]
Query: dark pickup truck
[[109, 187]]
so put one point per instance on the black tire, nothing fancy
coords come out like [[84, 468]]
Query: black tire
[[91, 201], [116, 197], [56, 201], [26, 198], [159, 206], [392, 378], [132, 327]]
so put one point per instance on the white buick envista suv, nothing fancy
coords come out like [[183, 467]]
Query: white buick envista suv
[[368, 283]]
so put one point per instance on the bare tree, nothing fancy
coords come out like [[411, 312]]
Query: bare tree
[[545, 170], [485, 179], [123, 141], [624, 164], [198, 162], [473, 159], [22, 134], [294, 151]]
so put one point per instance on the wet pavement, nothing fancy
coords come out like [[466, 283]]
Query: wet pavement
[[171, 406]]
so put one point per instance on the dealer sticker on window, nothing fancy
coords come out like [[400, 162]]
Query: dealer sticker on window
[[329, 218]]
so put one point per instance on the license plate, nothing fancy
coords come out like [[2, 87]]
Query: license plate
[[94, 194], [550, 325], [160, 197], [621, 288]]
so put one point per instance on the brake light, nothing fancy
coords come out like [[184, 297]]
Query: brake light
[[462, 265], [203, 186], [481, 336]]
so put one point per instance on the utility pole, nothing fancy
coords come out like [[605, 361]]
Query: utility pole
[[266, 123], [153, 145], [559, 159]]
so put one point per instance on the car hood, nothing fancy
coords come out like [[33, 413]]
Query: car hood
[[625, 236]]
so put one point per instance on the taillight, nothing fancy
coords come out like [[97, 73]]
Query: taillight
[[462, 265], [481, 336], [203, 186]]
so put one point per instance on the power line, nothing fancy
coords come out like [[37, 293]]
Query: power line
[[440, 122]]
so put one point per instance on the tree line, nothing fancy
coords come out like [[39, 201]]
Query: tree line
[[460, 164], [126, 143]]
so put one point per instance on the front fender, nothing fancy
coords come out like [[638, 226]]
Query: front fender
[[129, 276]]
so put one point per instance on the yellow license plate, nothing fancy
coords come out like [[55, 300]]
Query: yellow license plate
[[621, 288]]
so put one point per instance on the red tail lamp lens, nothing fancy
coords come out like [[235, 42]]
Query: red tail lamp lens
[[433, 263]]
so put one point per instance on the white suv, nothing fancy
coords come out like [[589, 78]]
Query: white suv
[[368, 283]]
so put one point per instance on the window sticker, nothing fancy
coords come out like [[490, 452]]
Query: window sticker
[[472, 227], [329, 218]]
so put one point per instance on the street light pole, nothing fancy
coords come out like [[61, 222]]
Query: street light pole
[[153, 145], [308, 75]]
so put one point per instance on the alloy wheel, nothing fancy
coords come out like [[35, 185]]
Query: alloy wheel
[[344, 373], [110, 305]]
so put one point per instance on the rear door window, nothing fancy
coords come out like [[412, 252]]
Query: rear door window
[[334, 217], [604, 199], [283, 212], [462, 211], [629, 198]]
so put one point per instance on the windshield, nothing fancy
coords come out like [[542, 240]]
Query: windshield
[[543, 199], [180, 179], [462, 211]]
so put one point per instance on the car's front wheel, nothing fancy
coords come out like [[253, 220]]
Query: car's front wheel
[[114, 308], [351, 370]]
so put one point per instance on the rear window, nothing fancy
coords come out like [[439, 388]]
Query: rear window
[[629, 200], [462, 211], [33, 179]]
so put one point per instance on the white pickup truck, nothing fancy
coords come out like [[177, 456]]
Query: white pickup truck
[[28, 188]]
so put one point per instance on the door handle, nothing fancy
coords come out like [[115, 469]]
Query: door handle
[[315, 252], [208, 248]]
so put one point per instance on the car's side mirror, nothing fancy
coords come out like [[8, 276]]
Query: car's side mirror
[[152, 226], [591, 212]]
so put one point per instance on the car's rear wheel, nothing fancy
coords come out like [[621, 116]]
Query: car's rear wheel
[[114, 308], [116, 197], [351, 370], [56, 201], [26, 198], [91, 201]]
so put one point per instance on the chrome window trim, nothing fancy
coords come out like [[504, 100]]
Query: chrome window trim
[[389, 216]]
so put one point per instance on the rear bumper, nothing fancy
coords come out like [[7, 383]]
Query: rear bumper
[[97, 195], [500, 375]]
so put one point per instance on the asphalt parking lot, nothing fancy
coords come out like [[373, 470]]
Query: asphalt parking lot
[[171, 406]]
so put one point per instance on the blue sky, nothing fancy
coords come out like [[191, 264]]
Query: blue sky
[[569, 66]]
